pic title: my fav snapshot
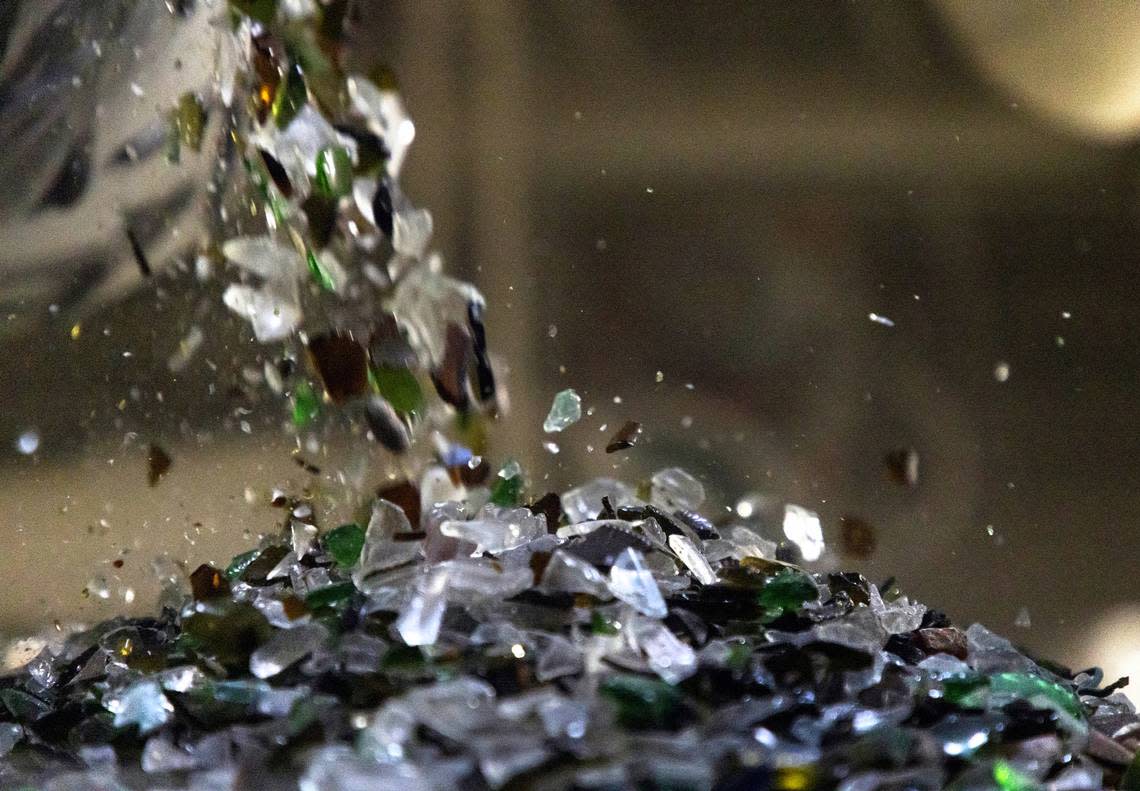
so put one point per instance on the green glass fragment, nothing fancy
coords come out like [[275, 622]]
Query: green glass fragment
[[306, 405], [334, 171], [642, 702], [240, 563], [1041, 693], [739, 656], [507, 491], [1009, 779], [190, 121], [320, 274], [291, 97], [960, 689], [399, 387], [330, 595], [344, 543], [599, 624], [261, 10], [787, 590]]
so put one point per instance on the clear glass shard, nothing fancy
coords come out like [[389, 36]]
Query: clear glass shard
[[693, 558], [675, 489], [286, 648], [565, 411], [633, 583], [565, 573], [422, 614], [802, 527]]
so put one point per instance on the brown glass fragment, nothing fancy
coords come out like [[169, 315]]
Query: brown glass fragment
[[450, 377], [902, 466], [208, 583], [404, 494], [948, 640], [158, 463], [341, 363], [856, 537], [625, 437]]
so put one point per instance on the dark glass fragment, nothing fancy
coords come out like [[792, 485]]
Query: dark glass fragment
[[341, 363], [158, 463], [625, 437]]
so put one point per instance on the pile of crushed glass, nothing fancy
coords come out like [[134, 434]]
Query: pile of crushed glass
[[607, 638], [469, 633]]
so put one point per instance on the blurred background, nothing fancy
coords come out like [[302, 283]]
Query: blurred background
[[689, 214]]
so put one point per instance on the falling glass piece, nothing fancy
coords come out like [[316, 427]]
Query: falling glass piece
[[674, 489], [382, 208], [496, 529], [803, 529], [484, 374], [287, 647], [141, 704], [625, 437], [411, 231], [1023, 621], [306, 405], [341, 363], [400, 388], [158, 463], [856, 538], [565, 411], [190, 121], [334, 171], [633, 583], [507, 489], [263, 257], [902, 466], [689, 554], [187, 348], [421, 616], [565, 573], [383, 111], [291, 96], [28, 442], [272, 311]]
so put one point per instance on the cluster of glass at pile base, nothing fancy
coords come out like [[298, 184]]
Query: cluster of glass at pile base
[[613, 627]]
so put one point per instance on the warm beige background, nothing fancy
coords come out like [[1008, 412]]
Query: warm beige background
[[721, 192]]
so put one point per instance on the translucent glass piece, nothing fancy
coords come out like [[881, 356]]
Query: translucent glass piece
[[669, 658], [264, 257], [565, 411], [633, 583], [585, 502], [565, 573], [689, 554], [273, 312], [674, 489], [386, 117], [141, 704], [479, 577], [802, 528], [422, 614], [286, 648], [497, 529]]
